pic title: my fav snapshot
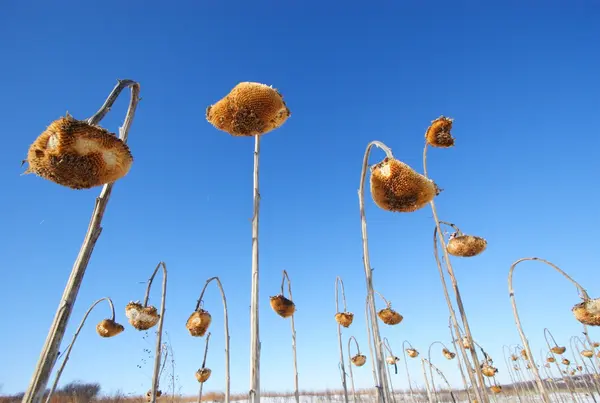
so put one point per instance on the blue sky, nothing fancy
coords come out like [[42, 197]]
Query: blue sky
[[521, 82]]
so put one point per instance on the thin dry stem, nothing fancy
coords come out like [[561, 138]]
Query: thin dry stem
[[458, 358], [70, 347], [293, 328], [556, 361], [441, 374], [254, 393], [378, 385], [511, 292], [203, 362], [47, 359], [158, 354], [429, 396], [479, 391], [350, 364], [339, 283], [412, 395], [199, 303], [380, 367]]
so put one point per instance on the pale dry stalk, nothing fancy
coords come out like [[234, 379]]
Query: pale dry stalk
[[254, 393], [429, 395], [381, 382], [475, 376], [386, 344], [458, 358], [225, 330], [47, 359], [67, 353], [583, 364], [511, 292], [339, 283], [159, 330], [511, 375], [441, 374], [410, 388], [350, 366], [203, 364], [293, 328], [566, 380], [371, 350]]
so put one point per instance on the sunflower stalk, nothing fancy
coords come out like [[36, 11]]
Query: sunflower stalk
[[203, 366], [340, 284], [381, 378], [70, 346], [511, 292], [159, 331], [226, 333], [49, 354], [254, 393]]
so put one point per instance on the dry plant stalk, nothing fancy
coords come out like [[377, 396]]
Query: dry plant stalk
[[390, 360], [511, 292], [466, 345], [441, 374], [445, 124], [203, 373], [351, 360], [49, 352], [427, 387], [477, 390], [412, 353], [198, 323], [380, 376], [345, 320], [446, 353], [159, 331], [251, 109], [114, 328]]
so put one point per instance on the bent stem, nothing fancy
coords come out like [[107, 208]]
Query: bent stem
[[372, 354], [339, 283], [70, 347], [203, 366], [158, 354], [350, 364], [254, 393], [511, 292], [441, 374], [386, 344], [296, 388], [579, 363], [478, 389], [429, 396], [412, 395], [513, 380], [381, 382], [49, 353], [458, 359], [226, 331], [430, 368], [556, 362]]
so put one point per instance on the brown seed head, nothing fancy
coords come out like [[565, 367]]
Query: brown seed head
[[550, 359], [448, 354], [466, 245], [587, 353], [108, 328], [588, 312], [558, 350], [149, 395], [198, 323], [203, 374], [359, 360], [514, 357], [579, 368], [344, 318], [140, 317], [249, 109], [389, 316], [77, 155], [496, 389], [412, 353], [283, 306], [438, 134], [595, 344], [397, 187], [488, 370], [524, 353], [465, 342], [566, 362]]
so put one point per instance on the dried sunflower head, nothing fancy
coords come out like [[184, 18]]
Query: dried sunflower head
[[344, 318], [488, 370], [448, 354], [389, 316], [108, 328], [250, 109], [397, 187], [359, 360], [78, 155], [438, 133], [587, 353], [588, 312], [203, 374], [412, 353], [558, 350], [283, 306], [140, 317], [465, 245], [198, 323]]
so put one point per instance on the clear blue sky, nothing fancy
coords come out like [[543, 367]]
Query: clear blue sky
[[521, 82]]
